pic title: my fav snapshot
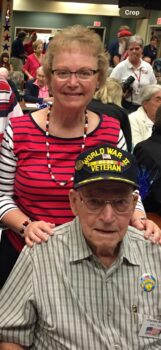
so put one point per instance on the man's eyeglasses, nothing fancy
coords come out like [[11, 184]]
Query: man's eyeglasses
[[96, 205], [82, 74]]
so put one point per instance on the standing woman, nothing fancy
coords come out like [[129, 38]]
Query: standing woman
[[34, 60], [39, 150], [134, 66]]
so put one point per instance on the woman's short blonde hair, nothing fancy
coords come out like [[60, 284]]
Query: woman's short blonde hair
[[37, 43], [111, 92], [77, 36]]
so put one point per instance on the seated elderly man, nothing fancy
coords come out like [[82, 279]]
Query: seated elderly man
[[142, 120], [36, 90], [96, 283]]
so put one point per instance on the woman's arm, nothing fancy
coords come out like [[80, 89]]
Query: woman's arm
[[11, 216], [10, 346], [26, 68]]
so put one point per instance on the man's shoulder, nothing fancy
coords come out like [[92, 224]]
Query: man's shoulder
[[60, 236], [135, 234], [137, 240], [49, 251]]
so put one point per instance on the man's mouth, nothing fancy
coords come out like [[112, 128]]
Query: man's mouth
[[105, 232]]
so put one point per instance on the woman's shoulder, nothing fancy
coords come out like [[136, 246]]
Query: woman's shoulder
[[116, 110], [14, 121], [106, 108], [138, 115]]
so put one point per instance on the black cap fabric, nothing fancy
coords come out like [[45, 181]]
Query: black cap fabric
[[105, 162]]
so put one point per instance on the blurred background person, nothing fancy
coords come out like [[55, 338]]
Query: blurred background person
[[157, 69], [143, 119], [136, 72], [148, 156], [150, 50], [18, 52], [113, 48], [34, 60], [123, 36], [18, 78], [28, 45], [36, 90], [5, 74], [9, 107], [5, 61], [108, 100]]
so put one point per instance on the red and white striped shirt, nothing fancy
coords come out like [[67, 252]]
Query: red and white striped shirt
[[25, 181]]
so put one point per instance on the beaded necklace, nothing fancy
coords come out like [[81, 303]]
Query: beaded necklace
[[62, 183]]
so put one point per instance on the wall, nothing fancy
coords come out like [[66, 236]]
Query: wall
[[55, 20]]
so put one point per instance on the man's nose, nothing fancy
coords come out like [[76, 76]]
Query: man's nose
[[107, 214]]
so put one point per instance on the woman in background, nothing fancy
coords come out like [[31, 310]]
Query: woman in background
[[143, 119], [34, 60], [108, 100], [134, 66], [5, 61]]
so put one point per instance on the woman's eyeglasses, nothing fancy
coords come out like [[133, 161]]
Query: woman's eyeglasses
[[82, 74]]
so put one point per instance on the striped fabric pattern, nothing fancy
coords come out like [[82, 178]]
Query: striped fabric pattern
[[24, 173], [60, 297], [9, 106]]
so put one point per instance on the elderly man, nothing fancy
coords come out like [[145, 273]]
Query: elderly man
[[142, 120], [95, 284], [36, 89]]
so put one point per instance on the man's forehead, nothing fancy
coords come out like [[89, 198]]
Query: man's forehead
[[104, 187]]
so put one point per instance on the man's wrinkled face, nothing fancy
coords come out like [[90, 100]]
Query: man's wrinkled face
[[152, 105], [104, 224]]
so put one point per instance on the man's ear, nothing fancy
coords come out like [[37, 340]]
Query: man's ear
[[73, 201], [136, 197]]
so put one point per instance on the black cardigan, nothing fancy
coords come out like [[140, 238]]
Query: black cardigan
[[32, 92], [117, 112]]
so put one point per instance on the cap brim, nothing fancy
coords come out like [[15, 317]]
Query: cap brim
[[105, 178]]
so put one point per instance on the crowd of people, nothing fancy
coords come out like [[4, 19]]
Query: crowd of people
[[73, 192]]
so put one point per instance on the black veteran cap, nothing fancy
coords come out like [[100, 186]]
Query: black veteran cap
[[105, 162]]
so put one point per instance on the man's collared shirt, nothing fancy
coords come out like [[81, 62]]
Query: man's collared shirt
[[59, 296]]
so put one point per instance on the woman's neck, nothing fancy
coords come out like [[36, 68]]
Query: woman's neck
[[136, 63], [67, 124], [67, 118], [38, 55]]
